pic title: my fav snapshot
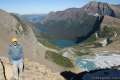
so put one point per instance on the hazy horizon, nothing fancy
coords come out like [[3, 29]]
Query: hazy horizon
[[44, 7]]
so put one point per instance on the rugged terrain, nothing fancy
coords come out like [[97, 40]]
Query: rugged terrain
[[69, 24], [100, 20], [11, 26], [32, 71], [77, 24], [99, 8]]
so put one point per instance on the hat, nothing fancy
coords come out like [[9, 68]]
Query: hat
[[14, 39]]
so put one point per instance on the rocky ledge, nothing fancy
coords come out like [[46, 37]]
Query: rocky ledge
[[33, 71]]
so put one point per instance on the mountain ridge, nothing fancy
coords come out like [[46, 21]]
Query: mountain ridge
[[57, 24]]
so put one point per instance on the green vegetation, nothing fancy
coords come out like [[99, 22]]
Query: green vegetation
[[91, 40], [107, 32], [83, 51], [59, 59]]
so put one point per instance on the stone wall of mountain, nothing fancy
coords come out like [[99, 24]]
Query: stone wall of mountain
[[99, 8], [102, 8], [11, 26], [74, 23], [69, 24], [116, 10]]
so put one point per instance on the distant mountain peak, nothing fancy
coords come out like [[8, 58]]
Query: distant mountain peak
[[99, 7], [96, 2]]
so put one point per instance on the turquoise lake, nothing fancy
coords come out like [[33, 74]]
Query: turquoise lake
[[63, 43], [85, 64]]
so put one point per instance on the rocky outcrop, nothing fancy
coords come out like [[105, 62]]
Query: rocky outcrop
[[111, 22], [11, 26], [32, 71], [2, 71], [100, 8], [116, 10]]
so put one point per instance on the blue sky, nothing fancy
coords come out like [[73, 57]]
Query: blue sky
[[43, 6]]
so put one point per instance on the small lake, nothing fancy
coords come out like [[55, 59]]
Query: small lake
[[63, 43], [58, 42]]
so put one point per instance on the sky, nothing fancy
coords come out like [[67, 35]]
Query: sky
[[44, 6]]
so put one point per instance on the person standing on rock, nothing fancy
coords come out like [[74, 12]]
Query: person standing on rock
[[16, 58]]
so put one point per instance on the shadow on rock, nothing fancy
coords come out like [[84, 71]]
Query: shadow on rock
[[101, 74]]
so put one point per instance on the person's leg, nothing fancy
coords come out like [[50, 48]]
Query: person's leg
[[20, 69], [15, 71]]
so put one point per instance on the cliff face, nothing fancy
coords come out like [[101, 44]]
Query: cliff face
[[76, 24], [33, 71], [68, 24], [71, 24], [11, 26], [100, 8], [116, 10], [111, 21]]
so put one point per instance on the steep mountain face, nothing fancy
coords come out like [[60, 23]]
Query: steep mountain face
[[112, 27], [11, 26], [116, 10], [76, 24], [110, 24], [69, 24], [71, 13], [72, 24], [111, 21], [100, 8]]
